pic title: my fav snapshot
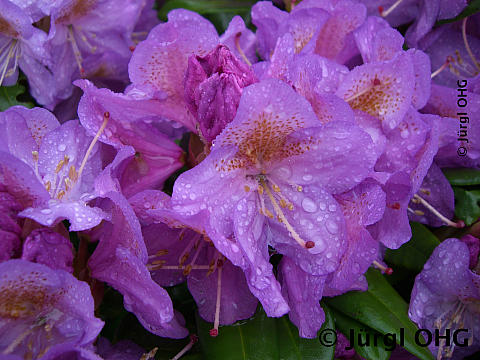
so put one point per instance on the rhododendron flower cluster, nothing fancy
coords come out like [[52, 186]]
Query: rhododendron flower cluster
[[268, 166]]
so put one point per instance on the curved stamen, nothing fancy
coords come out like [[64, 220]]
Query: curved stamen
[[76, 50], [467, 46], [214, 331], [240, 51], [281, 216], [459, 224], [385, 13]]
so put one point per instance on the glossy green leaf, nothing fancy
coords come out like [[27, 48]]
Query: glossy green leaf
[[263, 338], [381, 308], [462, 177], [253, 339], [413, 254], [293, 347], [467, 205], [371, 345], [472, 8], [9, 95]]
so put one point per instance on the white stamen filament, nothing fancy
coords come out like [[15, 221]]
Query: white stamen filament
[[390, 9], [374, 83], [106, 117], [239, 49], [5, 60], [76, 50], [13, 345], [193, 340], [447, 62], [467, 45], [281, 216], [217, 304], [437, 213]]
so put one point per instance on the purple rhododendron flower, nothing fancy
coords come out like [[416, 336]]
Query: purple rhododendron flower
[[276, 161], [120, 259], [130, 123], [41, 307], [53, 165], [184, 252], [446, 295], [47, 247], [22, 45]]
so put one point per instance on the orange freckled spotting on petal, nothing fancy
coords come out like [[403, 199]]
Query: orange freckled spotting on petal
[[382, 97], [26, 296], [262, 139], [7, 29], [301, 37], [76, 10]]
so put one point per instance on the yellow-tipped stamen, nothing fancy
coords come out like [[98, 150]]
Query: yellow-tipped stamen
[[186, 252], [159, 253], [13, 345], [280, 214], [247, 188], [5, 58], [150, 355], [106, 117], [76, 50], [48, 186], [390, 9], [190, 266], [436, 212], [239, 49], [467, 45]]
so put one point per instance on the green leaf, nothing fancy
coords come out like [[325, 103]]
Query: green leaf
[[467, 205], [381, 308], [219, 12], [462, 177], [247, 340], [9, 94], [374, 349], [472, 8], [293, 347], [263, 338], [413, 254]]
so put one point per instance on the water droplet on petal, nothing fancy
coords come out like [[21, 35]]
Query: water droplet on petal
[[309, 205]]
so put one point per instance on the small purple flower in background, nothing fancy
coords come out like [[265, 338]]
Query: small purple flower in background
[[41, 307], [22, 45], [446, 296]]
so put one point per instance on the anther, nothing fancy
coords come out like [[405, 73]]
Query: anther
[[299, 188], [247, 188], [385, 269], [35, 155], [389, 10], [309, 244], [447, 62]]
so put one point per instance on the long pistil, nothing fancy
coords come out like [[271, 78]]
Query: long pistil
[[385, 13], [283, 219], [214, 331]]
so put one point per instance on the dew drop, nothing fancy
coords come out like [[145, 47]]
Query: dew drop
[[61, 147], [309, 205], [332, 227]]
